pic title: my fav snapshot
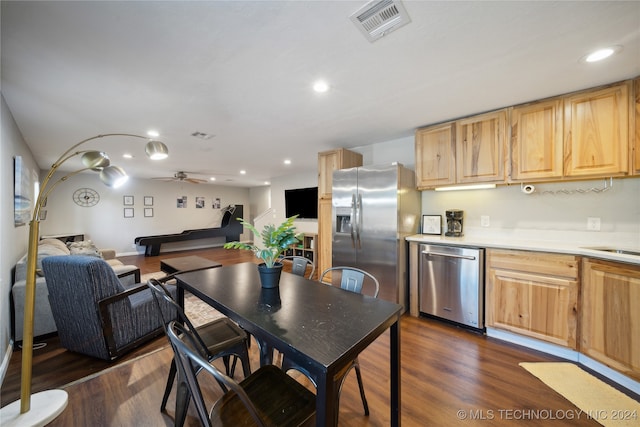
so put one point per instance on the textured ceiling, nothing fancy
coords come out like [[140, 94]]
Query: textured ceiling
[[242, 71]]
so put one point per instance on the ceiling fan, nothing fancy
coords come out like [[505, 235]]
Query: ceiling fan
[[181, 176]]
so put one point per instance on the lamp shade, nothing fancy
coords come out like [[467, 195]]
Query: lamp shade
[[95, 160], [156, 150], [113, 176]]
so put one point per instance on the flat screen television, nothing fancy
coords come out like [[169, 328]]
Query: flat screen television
[[302, 202]]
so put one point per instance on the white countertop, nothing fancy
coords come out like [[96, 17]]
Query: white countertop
[[542, 245]]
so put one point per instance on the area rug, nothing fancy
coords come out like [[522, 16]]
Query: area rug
[[598, 400], [198, 311]]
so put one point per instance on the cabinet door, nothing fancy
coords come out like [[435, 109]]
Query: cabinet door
[[542, 307], [533, 294], [435, 156], [480, 145], [610, 318], [597, 132], [329, 161], [636, 146], [536, 141], [323, 249]]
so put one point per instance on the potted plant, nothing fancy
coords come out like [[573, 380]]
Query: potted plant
[[276, 240]]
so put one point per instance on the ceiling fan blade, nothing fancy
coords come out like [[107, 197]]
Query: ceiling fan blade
[[195, 180]]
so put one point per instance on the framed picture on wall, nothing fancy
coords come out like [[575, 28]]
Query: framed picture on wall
[[148, 200], [127, 200], [128, 212], [431, 224], [21, 192], [148, 212]]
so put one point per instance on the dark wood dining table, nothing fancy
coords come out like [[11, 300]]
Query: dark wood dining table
[[320, 327]]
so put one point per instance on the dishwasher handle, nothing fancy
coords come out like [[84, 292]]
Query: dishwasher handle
[[469, 257]]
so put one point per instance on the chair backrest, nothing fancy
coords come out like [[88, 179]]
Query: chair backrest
[[299, 265], [75, 284], [162, 296], [190, 362], [352, 279]]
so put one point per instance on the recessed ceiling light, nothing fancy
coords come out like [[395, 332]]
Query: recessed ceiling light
[[600, 54], [267, 183], [243, 172], [127, 156], [153, 133], [320, 86], [287, 161], [213, 178]]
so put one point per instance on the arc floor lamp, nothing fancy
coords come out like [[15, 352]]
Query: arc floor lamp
[[47, 405]]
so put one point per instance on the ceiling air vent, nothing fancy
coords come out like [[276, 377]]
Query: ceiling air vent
[[378, 18]]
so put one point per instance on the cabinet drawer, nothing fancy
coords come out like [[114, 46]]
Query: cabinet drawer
[[549, 264]]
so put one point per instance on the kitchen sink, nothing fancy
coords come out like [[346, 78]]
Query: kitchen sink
[[617, 251]]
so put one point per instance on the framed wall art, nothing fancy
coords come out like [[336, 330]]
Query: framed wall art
[[148, 212], [128, 212], [127, 200], [22, 196], [431, 224], [148, 200]]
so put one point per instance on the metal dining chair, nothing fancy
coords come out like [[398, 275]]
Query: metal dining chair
[[218, 338], [267, 397], [299, 265], [353, 280]]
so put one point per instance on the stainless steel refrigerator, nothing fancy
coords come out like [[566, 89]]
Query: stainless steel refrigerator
[[373, 209]]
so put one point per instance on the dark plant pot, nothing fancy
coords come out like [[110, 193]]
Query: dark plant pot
[[269, 300], [270, 277]]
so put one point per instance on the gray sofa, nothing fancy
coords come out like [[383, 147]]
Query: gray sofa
[[43, 322]]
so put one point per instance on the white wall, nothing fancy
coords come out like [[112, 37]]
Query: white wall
[[278, 185], [13, 240], [260, 199], [105, 224], [555, 217]]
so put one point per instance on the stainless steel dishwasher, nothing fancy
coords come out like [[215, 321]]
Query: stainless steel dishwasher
[[451, 284]]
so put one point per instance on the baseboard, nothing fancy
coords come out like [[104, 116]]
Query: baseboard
[[163, 251], [5, 362], [567, 354]]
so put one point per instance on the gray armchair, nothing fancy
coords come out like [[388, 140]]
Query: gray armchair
[[95, 313]]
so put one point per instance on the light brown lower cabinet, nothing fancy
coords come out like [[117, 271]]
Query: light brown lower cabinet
[[610, 315], [533, 294]]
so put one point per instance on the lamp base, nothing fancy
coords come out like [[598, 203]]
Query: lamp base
[[45, 407]]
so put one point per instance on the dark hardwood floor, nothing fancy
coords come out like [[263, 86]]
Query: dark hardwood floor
[[450, 376]]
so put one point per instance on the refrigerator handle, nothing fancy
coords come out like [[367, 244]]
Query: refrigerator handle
[[358, 220], [354, 225]]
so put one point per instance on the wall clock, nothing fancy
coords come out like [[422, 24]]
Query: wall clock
[[86, 197]]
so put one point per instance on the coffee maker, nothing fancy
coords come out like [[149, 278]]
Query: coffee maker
[[454, 222]]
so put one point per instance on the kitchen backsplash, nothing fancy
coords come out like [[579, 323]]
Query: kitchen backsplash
[[552, 216]]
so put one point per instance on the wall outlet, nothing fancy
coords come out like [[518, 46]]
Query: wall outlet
[[593, 224], [485, 221]]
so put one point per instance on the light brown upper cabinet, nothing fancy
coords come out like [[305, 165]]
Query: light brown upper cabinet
[[469, 150], [536, 141], [480, 146], [435, 155], [596, 128], [328, 161]]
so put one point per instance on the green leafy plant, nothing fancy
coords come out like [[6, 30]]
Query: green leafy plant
[[276, 240]]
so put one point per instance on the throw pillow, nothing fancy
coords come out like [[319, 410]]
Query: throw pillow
[[85, 247]]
